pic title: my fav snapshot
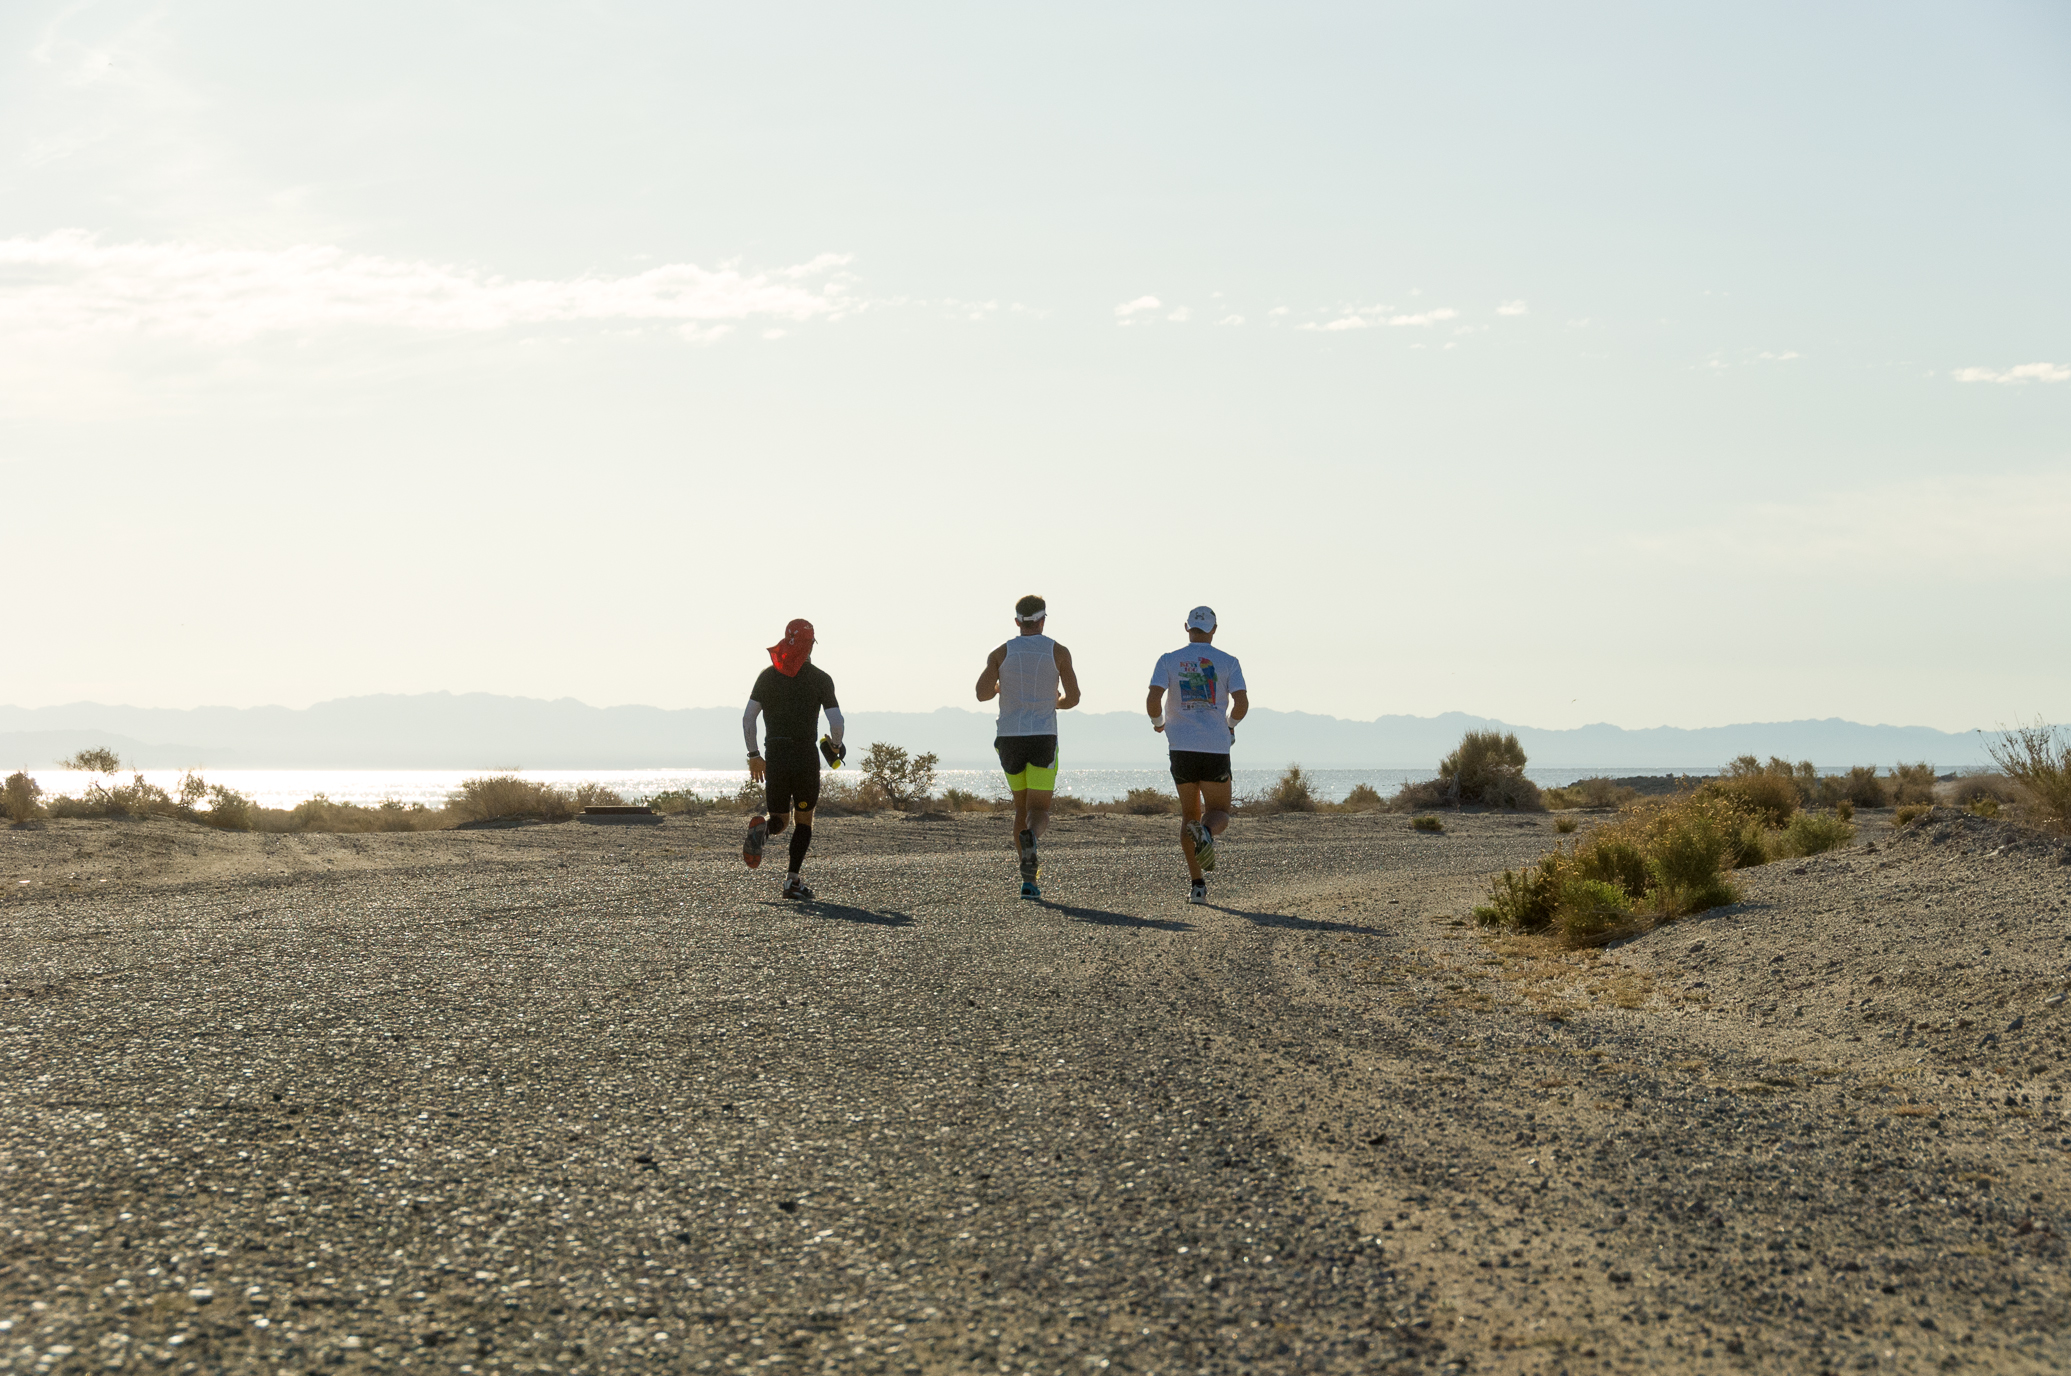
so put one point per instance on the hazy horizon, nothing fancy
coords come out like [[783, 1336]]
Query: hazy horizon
[[1609, 364]]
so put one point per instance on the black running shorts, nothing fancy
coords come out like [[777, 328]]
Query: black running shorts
[[791, 777], [1030, 759], [1200, 767]]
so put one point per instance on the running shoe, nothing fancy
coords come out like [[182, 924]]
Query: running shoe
[[1031, 864], [1204, 844], [1199, 892], [794, 887], [1029, 890], [758, 837]]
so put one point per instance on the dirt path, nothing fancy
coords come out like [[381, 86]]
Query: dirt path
[[589, 1099]]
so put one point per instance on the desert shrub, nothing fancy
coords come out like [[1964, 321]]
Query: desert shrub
[[963, 800], [1588, 909], [1981, 784], [1811, 833], [1145, 802], [138, 798], [903, 779], [1362, 798], [1984, 807], [1427, 824], [1656, 860], [1912, 783], [1488, 768], [680, 802], [1859, 787], [227, 810], [1417, 797], [495, 796], [1293, 791], [2039, 758], [1506, 788], [1910, 813], [18, 797], [1591, 793], [98, 760], [1565, 825], [1771, 792], [320, 814], [1845, 810], [595, 795], [1614, 859], [1069, 805]]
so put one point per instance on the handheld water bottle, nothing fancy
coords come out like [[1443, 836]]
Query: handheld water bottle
[[832, 753]]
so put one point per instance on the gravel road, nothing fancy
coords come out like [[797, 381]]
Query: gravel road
[[590, 1099]]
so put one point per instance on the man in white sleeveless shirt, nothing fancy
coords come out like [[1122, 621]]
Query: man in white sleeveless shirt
[[1025, 674]]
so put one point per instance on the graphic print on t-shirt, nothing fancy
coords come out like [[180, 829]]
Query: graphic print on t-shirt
[[1196, 684]]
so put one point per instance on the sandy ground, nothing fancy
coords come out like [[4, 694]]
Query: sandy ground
[[591, 1099]]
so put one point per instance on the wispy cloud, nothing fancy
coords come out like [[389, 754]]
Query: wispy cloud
[[1180, 316], [1512, 308], [1136, 307], [1231, 320], [1371, 317], [69, 283], [2024, 372]]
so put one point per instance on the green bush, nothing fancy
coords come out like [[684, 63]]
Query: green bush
[[98, 760], [1911, 813], [1565, 825], [1148, 802], [1771, 792], [1656, 860], [18, 797], [1427, 824], [1811, 833]]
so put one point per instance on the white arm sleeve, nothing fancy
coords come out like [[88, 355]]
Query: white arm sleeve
[[748, 724], [834, 724]]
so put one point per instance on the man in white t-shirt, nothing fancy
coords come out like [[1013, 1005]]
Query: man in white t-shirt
[[1197, 698]]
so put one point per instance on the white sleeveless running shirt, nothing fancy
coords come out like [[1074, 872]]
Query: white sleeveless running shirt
[[1028, 687]]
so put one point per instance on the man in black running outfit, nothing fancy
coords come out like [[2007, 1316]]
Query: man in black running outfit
[[790, 694]]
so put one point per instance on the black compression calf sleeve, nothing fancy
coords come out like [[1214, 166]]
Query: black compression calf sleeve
[[800, 839]]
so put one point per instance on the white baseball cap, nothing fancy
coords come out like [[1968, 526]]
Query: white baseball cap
[[1201, 619]]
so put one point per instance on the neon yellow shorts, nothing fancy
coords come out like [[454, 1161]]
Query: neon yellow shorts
[[1030, 761]]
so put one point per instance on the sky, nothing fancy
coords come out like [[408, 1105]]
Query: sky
[[1645, 364]]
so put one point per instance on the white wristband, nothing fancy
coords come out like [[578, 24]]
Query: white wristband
[[1158, 720]]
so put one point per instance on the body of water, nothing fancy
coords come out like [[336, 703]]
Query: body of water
[[287, 787]]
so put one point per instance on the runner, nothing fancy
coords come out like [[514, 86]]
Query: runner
[[1208, 700], [790, 693], [1024, 675]]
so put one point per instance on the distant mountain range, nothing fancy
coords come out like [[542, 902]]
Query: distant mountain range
[[485, 731]]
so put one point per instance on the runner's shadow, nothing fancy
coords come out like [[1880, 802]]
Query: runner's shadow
[[841, 912], [1100, 917], [1290, 923]]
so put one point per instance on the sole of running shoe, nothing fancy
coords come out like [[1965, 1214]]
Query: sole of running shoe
[[1204, 847], [752, 848]]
